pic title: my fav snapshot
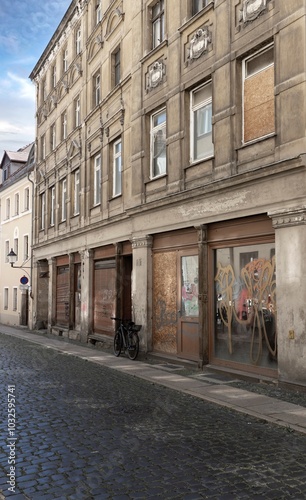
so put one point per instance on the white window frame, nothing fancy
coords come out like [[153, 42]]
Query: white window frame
[[77, 112], [53, 137], [206, 107], [65, 60], [8, 208], [198, 5], [98, 11], [42, 210], [117, 168], [64, 125], [52, 206], [16, 247], [15, 298], [158, 23], [97, 84], [76, 204], [157, 170], [64, 200], [97, 180], [54, 76], [78, 40], [245, 77]]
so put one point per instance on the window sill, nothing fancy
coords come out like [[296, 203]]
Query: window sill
[[193, 163], [255, 141]]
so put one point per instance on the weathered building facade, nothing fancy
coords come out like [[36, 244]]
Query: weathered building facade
[[170, 179]]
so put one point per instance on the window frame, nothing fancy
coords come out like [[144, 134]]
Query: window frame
[[17, 203], [42, 210], [64, 126], [76, 192], [245, 61], [15, 299], [117, 168], [64, 200], [5, 298], [26, 254], [77, 110], [98, 11], [204, 105], [65, 60], [116, 61], [26, 199], [78, 40], [53, 137], [154, 131], [97, 88], [52, 206], [97, 171], [158, 23], [198, 5]]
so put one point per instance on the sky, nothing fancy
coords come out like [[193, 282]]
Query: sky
[[26, 27]]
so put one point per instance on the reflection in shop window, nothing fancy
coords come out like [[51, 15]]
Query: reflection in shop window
[[245, 307], [190, 302]]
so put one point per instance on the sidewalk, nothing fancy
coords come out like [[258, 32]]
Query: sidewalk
[[208, 386]]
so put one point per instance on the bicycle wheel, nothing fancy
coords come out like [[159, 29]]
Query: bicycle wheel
[[133, 347], [117, 343]]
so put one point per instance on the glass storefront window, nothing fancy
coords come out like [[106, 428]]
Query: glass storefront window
[[190, 301], [245, 305]]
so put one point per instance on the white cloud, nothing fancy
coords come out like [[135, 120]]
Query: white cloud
[[25, 89]]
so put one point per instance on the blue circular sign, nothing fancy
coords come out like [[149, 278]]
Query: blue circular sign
[[24, 280]]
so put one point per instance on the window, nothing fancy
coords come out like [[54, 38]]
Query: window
[[17, 204], [5, 298], [16, 245], [64, 126], [7, 251], [198, 5], [201, 125], [25, 248], [43, 147], [53, 137], [97, 180], [78, 40], [158, 144], [77, 106], [97, 89], [258, 95], [158, 23], [98, 11], [14, 298], [44, 89], [26, 199], [42, 203], [54, 76], [76, 204], [65, 60], [116, 67], [117, 168], [8, 208], [52, 205], [64, 200]]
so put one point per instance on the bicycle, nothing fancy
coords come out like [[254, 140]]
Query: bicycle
[[127, 337]]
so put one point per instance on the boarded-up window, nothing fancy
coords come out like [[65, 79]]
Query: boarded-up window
[[62, 296], [104, 296], [259, 109]]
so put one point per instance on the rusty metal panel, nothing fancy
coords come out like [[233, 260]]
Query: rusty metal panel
[[165, 302]]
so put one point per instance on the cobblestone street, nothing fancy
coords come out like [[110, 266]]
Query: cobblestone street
[[86, 432]]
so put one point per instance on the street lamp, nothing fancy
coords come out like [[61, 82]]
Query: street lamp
[[12, 258]]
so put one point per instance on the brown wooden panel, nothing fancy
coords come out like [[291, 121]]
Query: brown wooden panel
[[165, 302], [104, 301], [246, 227], [259, 108], [62, 296], [62, 260], [104, 252], [175, 239]]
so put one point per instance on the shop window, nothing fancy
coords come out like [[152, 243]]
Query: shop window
[[258, 95], [158, 23], [97, 180], [158, 144], [117, 168], [245, 305], [201, 123]]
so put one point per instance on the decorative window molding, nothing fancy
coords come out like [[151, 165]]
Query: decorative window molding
[[155, 75], [251, 9], [199, 43], [115, 18]]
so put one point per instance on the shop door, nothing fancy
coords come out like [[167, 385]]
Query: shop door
[[62, 296], [188, 310]]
